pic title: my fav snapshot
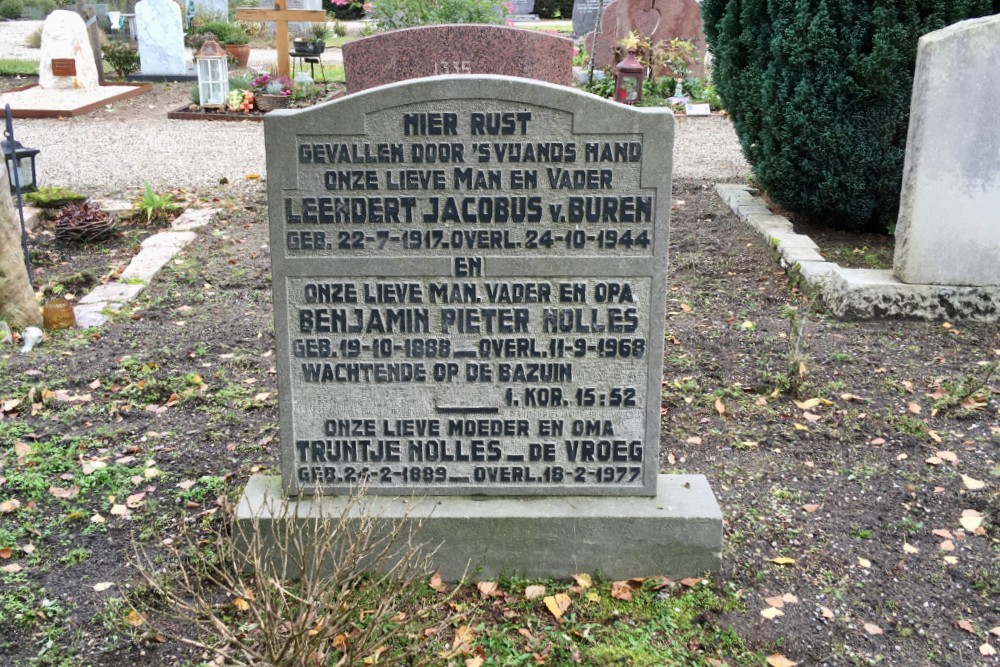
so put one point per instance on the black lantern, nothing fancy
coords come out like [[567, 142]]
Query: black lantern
[[20, 161], [629, 74]]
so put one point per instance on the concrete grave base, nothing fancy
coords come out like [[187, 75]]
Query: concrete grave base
[[677, 532]]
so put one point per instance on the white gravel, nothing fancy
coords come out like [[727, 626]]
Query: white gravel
[[103, 153]]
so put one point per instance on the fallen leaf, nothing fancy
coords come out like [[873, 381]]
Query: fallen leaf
[[134, 619], [21, 449], [771, 613], [778, 660], [971, 519], [810, 417], [186, 484], [489, 589], [852, 397], [947, 545], [943, 533], [622, 590], [97, 518], [783, 560], [374, 657], [945, 455], [810, 508], [558, 604], [864, 562], [995, 631], [119, 510], [6, 553], [463, 636], [790, 599], [972, 484], [9, 505], [690, 582], [934, 460], [872, 629], [241, 604], [827, 613], [720, 407], [986, 649], [583, 580], [966, 625], [877, 441], [693, 440], [914, 407], [910, 549], [800, 427], [65, 494], [532, 592], [807, 404], [103, 586], [135, 500], [775, 601], [476, 661], [13, 568]]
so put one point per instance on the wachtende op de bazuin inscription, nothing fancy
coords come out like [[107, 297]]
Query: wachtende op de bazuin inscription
[[470, 302]]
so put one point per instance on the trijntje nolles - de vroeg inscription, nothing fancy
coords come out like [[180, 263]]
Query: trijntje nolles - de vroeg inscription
[[469, 295]]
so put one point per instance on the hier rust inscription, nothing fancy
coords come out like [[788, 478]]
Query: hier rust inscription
[[469, 299]]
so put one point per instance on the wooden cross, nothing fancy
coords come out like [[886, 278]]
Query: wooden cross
[[281, 16]]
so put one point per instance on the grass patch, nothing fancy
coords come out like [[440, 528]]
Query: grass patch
[[13, 67]]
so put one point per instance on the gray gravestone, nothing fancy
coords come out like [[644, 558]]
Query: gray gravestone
[[469, 289], [948, 232], [585, 16], [160, 37]]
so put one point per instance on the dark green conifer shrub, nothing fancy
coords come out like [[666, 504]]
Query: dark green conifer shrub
[[819, 92]]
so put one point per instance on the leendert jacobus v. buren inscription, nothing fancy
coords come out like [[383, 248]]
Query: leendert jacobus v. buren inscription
[[469, 283]]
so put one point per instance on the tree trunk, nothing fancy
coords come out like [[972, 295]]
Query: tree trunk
[[17, 301]]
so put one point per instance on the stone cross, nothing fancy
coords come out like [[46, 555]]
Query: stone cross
[[281, 16]]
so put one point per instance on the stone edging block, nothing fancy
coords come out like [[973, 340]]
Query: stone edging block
[[156, 251], [857, 293]]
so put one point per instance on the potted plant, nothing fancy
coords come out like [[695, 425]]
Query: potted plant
[[313, 43], [272, 92]]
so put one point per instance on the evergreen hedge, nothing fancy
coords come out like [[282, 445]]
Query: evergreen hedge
[[819, 93]]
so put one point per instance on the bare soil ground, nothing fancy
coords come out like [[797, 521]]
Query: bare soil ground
[[856, 462]]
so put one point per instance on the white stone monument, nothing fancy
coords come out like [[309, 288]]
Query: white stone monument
[[161, 38], [64, 39], [948, 231]]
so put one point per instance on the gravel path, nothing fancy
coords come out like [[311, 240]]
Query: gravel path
[[113, 150]]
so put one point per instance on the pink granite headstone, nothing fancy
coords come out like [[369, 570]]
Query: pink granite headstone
[[457, 49], [656, 19]]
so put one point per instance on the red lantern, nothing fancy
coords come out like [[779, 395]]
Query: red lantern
[[629, 74]]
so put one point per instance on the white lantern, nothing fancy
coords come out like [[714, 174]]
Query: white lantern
[[213, 74]]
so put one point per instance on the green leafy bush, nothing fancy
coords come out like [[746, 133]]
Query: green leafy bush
[[399, 14], [122, 57], [225, 33], [819, 92], [11, 9]]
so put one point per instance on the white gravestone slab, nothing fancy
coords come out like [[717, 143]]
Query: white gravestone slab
[[161, 38], [64, 36], [469, 289], [948, 231]]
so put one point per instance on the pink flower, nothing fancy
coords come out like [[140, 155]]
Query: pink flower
[[368, 7]]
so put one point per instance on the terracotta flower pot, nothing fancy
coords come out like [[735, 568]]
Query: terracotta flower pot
[[240, 53]]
